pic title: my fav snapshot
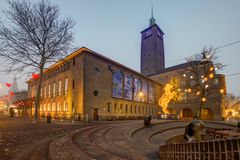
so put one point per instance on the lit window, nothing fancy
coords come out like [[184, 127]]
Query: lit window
[[59, 87], [44, 107], [54, 89], [54, 107], [58, 107], [65, 106], [49, 107], [49, 90], [66, 86]]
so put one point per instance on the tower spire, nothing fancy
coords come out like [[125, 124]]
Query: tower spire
[[152, 19], [14, 87]]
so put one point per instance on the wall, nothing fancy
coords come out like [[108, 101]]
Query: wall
[[98, 77]]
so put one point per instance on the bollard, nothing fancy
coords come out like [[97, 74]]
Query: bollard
[[49, 118], [86, 117]]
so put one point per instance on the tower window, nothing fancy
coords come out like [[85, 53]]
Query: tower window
[[73, 84], [73, 61]]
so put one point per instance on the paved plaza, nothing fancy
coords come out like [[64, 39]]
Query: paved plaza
[[101, 140]]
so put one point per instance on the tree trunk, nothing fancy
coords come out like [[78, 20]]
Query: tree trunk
[[200, 110], [37, 102]]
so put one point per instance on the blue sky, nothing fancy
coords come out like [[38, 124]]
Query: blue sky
[[112, 28]]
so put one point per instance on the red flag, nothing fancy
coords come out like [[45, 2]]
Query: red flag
[[8, 84], [35, 76]]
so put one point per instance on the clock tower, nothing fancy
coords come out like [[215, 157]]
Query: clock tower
[[152, 49]]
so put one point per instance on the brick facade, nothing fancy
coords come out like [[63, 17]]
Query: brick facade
[[89, 89]]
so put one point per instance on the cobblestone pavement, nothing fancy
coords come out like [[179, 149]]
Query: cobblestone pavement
[[21, 139], [120, 141]]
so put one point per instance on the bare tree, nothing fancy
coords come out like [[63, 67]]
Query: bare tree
[[33, 37], [201, 71]]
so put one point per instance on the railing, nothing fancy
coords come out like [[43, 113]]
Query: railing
[[228, 149]]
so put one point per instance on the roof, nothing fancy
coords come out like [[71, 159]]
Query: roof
[[84, 50], [153, 26], [174, 68]]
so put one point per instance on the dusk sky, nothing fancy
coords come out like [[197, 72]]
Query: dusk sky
[[112, 28]]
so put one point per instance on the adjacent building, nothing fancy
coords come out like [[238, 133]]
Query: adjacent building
[[153, 66]]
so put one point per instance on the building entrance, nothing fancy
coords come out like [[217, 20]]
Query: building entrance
[[95, 114]]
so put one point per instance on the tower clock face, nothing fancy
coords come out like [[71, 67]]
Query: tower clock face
[[148, 33]]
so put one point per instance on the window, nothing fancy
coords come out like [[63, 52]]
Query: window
[[58, 107], [44, 107], [49, 107], [121, 108], [73, 107], [192, 83], [49, 90], [40, 107], [41, 92], [45, 91], [183, 83], [33, 92], [54, 89], [139, 109], [73, 61], [65, 106], [184, 97], [54, 107], [109, 107], [135, 109], [59, 88], [66, 86], [126, 108], [73, 84], [115, 107], [131, 109], [215, 81]]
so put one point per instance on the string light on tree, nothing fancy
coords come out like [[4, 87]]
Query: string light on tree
[[211, 75], [221, 91], [203, 99], [211, 68], [198, 93]]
